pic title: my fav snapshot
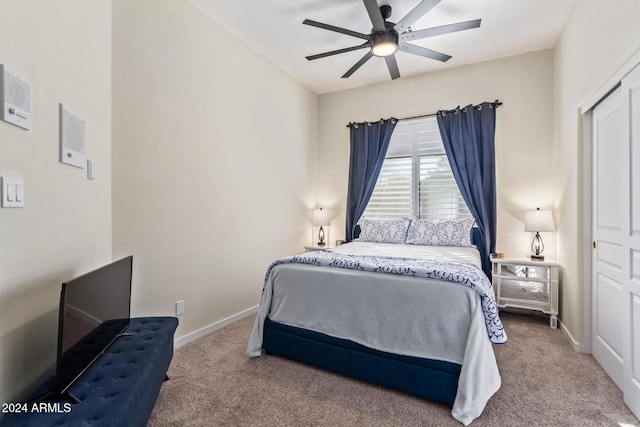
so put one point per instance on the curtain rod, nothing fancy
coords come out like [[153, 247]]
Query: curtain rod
[[494, 104]]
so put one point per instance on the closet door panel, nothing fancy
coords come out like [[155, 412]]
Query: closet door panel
[[631, 244], [609, 176]]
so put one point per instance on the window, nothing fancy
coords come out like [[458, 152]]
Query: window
[[416, 179]]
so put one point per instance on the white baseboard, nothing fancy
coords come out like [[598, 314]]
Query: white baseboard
[[577, 347], [179, 342]]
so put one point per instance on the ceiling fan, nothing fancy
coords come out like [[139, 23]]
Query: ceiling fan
[[386, 38]]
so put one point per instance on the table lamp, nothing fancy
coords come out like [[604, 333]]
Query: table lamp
[[321, 218], [538, 221]]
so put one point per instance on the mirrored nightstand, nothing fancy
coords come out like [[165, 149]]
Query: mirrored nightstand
[[527, 283]]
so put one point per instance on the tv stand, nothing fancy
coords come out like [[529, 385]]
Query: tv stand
[[70, 397], [120, 388], [49, 396]]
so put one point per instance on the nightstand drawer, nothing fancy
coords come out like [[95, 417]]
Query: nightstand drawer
[[535, 293], [524, 271]]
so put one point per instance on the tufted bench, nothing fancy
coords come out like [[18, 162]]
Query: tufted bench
[[121, 387]]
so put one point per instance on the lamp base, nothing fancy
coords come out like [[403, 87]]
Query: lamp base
[[321, 242], [537, 257]]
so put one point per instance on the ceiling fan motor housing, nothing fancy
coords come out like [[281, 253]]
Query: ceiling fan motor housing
[[385, 10]]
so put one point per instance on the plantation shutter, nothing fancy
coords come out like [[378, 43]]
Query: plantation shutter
[[416, 179]]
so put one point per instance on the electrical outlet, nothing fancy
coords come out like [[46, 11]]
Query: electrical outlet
[[179, 307]]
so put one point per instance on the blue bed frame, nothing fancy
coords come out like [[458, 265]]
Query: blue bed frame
[[430, 379]]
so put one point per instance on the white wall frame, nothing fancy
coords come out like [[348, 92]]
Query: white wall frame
[[587, 203]]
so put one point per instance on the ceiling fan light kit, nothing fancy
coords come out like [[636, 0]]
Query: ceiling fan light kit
[[384, 43], [386, 38]]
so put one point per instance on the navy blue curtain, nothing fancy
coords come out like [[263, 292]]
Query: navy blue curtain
[[369, 143], [468, 137]]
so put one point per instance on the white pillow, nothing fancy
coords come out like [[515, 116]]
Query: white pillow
[[383, 230], [433, 232]]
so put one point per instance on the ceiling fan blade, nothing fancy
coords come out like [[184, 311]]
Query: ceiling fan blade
[[422, 51], [336, 29], [358, 65], [392, 65], [374, 14], [410, 18], [436, 31], [335, 52]]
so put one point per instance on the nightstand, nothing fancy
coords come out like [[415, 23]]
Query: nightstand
[[527, 283]]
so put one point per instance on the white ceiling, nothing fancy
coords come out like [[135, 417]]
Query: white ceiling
[[274, 28]]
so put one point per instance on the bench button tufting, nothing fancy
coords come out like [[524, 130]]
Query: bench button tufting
[[107, 383]]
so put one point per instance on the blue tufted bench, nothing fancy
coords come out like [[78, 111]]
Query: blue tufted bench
[[121, 387]]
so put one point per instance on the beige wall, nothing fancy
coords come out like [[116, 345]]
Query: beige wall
[[64, 52], [214, 158], [599, 38], [524, 83]]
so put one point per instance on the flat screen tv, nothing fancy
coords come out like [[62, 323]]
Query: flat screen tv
[[94, 311]]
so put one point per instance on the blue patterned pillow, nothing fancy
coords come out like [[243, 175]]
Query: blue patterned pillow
[[433, 232], [383, 230]]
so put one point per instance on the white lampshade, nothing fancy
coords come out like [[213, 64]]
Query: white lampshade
[[320, 217], [539, 220]]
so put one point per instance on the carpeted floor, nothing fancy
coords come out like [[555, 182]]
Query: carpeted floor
[[544, 383]]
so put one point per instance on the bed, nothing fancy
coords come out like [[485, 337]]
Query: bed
[[416, 318]]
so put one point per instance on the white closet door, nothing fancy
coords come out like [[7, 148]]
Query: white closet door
[[631, 289], [609, 203], [616, 231]]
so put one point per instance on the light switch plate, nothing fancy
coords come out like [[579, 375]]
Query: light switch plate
[[12, 192]]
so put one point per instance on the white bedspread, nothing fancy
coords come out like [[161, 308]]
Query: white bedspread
[[412, 316]]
